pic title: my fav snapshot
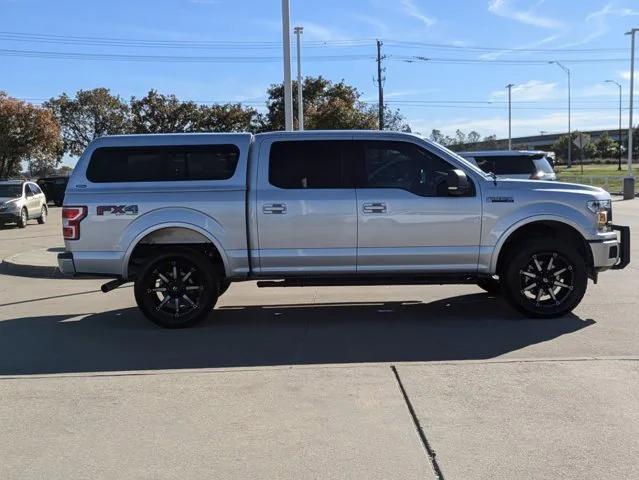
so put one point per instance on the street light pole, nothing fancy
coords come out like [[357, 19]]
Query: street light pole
[[288, 88], [629, 181], [510, 115], [300, 100], [567, 71], [619, 152]]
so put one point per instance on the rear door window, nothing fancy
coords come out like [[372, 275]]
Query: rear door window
[[310, 164], [163, 164]]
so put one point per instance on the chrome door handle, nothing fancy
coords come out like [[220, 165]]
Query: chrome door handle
[[274, 208], [375, 207]]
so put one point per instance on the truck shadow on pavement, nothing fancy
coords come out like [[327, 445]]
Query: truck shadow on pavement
[[466, 327]]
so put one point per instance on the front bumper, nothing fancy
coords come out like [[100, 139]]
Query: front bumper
[[65, 263], [624, 247], [9, 217], [613, 251]]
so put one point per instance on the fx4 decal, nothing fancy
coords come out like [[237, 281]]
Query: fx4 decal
[[117, 210]]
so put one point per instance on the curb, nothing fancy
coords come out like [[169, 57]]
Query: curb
[[22, 265]]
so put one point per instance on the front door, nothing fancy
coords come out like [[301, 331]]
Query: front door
[[305, 208], [407, 222]]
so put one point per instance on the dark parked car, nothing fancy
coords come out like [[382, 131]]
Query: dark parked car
[[53, 188]]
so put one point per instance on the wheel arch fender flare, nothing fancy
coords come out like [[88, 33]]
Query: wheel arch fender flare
[[161, 219], [527, 221]]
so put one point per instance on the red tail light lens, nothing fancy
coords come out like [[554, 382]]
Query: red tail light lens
[[71, 218]]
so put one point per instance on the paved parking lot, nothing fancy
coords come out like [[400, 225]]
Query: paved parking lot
[[366, 382]]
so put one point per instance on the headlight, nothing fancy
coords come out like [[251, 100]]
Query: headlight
[[600, 208]]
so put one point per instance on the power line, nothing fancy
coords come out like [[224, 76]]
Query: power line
[[469, 61], [345, 42], [171, 58]]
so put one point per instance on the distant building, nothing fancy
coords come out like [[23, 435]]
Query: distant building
[[544, 142]]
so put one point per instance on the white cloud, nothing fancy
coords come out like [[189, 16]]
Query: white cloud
[[412, 10], [596, 23], [625, 74], [532, 90], [495, 55], [380, 28], [315, 31], [504, 8]]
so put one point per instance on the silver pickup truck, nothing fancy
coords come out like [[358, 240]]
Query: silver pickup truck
[[184, 215]]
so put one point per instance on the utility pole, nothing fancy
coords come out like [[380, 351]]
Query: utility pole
[[619, 149], [510, 115], [380, 85], [567, 71], [288, 88], [300, 96], [629, 181]]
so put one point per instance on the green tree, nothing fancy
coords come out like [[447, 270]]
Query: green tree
[[27, 133], [227, 118], [87, 116], [327, 105], [437, 136], [159, 113], [606, 147]]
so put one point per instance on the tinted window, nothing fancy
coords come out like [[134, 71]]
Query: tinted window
[[543, 165], [34, 188], [406, 166], [11, 190], [307, 164], [162, 164], [507, 164]]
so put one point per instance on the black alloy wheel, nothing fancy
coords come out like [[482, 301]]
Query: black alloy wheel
[[545, 279], [177, 289]]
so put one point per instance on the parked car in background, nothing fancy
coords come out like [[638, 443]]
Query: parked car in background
[[184, 215], [21, 201], [53, 188], [529, 164]]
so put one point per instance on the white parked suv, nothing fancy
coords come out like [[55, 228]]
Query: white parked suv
[[21, 201], [183, 215], [526, 164]]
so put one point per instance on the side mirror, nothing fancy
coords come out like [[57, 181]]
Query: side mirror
[[457, 183]]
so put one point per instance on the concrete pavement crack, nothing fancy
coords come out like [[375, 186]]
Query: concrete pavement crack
[[420, 431]]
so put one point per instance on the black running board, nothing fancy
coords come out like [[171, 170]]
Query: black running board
[[344, 281]]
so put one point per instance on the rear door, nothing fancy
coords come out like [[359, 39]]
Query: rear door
[[407, 222], [33, 200], [305, 207]]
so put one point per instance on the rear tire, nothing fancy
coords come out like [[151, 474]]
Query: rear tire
[[24, 217], [490, 285], [545, 279], [177, 289], [42, 219]]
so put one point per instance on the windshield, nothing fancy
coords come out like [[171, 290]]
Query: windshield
[[459, 158], [11, 190]]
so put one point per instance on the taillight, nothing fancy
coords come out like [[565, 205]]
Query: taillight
[[71, 218]]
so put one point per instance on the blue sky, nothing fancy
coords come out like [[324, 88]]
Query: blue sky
[[450, 91]]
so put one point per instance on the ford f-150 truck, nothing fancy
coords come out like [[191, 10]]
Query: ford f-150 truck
[[184, 215]]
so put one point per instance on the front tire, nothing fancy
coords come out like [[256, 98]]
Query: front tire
[[42, 219], [177, 289], [24, 217], [545, 279]]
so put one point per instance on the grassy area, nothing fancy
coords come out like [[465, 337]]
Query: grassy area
[[599, 175], [594, 169]]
